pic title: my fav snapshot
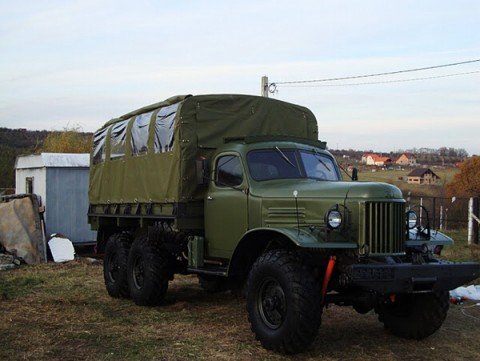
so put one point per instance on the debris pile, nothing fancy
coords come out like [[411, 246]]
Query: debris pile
[[61, 248], [22, 227], [9, 261], [460, 294]]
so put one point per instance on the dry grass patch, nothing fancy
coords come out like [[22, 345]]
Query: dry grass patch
[[62, 312]]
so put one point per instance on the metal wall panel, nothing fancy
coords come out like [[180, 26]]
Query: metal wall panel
[[67, 204], [39, 180]]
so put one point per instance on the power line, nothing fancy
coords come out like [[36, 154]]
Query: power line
[[376, 74], [381, 82]]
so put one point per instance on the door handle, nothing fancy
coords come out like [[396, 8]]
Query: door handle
[[209, 198]]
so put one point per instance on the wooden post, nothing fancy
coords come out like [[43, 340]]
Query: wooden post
[[470, 221], [476, 225], [264, 86], [441, 217], [421, 209]]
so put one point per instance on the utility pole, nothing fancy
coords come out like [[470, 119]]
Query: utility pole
[[264, 86]]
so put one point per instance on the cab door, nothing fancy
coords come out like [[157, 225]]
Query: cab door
[[226, 206]]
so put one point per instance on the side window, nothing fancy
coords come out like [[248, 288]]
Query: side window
[[99, 145], [164, 124], [229, 171], [117, 139], [29, 185], [140, 133]]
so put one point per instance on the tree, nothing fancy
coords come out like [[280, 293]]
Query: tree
[[7, 160], [467, 182], [70, 140]]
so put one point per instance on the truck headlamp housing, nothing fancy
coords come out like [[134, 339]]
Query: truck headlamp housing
[[412, 219], [333, 219]]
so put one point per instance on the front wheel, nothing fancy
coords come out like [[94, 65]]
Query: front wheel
[[283, 302], [414, 315]]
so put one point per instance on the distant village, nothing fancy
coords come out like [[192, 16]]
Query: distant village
[[421, 166], [416, 176]]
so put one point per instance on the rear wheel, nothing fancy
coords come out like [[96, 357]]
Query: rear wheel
[[147, 272], [283, 302], [414, 316], [115, 265]]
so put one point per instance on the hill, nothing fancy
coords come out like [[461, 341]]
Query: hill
[[15, 142]]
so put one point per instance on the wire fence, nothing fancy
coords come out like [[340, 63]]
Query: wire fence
[[444, 213]]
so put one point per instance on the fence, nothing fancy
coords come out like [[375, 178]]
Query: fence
[[450, 213]]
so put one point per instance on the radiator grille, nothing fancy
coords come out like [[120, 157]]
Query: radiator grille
[[385, 227]]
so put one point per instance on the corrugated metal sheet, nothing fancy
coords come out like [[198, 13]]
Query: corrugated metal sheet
[[67, 199]]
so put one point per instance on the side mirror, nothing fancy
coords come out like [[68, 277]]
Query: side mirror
[[354, 174], [203, 175]]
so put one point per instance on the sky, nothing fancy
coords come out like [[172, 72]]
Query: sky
[[81, 63]]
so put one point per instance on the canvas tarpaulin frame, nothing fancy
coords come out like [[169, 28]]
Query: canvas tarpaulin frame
[[202, 123]]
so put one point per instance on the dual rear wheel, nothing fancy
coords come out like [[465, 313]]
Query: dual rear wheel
[[138, 270]]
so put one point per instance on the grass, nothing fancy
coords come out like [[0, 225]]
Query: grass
[[461, 250], [392, 176], [62, 312], [17, 287]]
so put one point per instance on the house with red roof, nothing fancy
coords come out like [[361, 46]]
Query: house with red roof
[[375, 159]]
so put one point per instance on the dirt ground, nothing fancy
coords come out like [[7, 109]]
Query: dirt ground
[[62, 312]]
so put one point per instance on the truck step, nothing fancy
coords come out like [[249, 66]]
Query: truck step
[[211, 271]]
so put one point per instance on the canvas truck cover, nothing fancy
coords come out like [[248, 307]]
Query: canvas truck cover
[[148, 155]]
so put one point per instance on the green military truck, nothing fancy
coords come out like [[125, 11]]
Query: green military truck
[[239, 190]]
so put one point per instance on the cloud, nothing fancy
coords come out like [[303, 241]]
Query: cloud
[[88, 61]]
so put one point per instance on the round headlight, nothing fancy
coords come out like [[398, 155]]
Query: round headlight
[[411, 219], [334, 219]]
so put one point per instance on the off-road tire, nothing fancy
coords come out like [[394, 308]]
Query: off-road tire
[[148, 287], [115, 265], [414, 316], [299, 325], [213, 284]]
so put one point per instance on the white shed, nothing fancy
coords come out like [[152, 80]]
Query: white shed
[[61, 180]]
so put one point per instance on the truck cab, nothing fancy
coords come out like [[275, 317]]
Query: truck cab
[[253, 187]]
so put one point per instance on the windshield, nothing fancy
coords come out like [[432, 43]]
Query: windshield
[[267, 164]]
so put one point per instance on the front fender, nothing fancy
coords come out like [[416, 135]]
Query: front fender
[[301, 238], [254, 242]]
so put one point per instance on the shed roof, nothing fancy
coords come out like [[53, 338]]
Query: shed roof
[[53, 160], [420, 172]]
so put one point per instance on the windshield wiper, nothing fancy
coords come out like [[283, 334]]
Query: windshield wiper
[[320, 160], [285, 157]]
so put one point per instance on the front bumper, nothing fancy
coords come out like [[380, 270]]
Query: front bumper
[[408, 277]]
